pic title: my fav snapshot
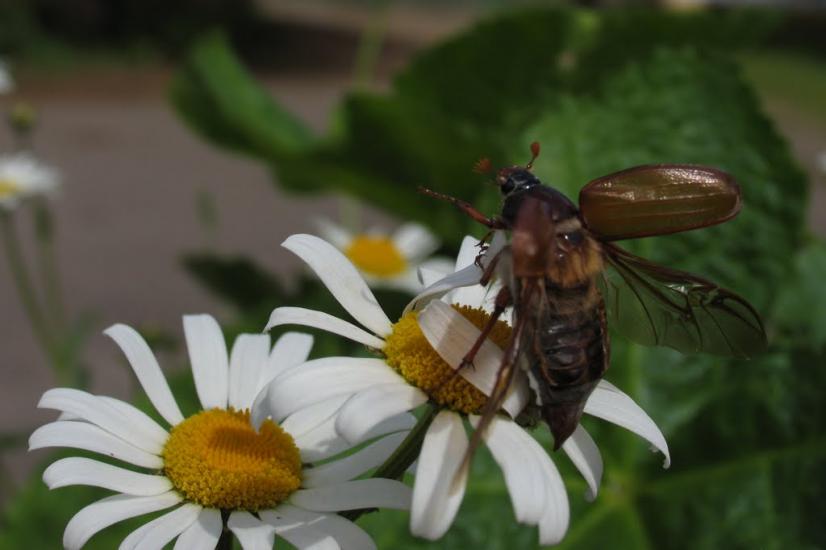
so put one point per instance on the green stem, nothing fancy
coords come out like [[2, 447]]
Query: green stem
[[27, 295], [405, 455], [44, 231], [225, 541], [370, 45]]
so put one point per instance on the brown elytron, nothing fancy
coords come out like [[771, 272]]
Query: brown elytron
[[568, 283]]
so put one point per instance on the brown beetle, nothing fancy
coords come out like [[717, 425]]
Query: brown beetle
[[567, 282]]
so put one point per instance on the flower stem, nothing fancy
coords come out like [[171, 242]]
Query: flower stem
[[370, 45], [26, 292], [225, 541], [396, 465], [44, 231]]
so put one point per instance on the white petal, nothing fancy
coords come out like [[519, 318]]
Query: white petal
[[322, 379], [585, 455], [309, 418], [251, 533], [160, 531], [204, 532], [364, 410], [247, 362], [334, 233], [342, 279], [324, 442], [468, 252], [347, 534], [519, 456], [428, 276], [80, 435], [138, 418], [303, 529], [146, 368], [465, 277], [437, 491], [354, 495], [85, 471], [554, 522], [354, 465], [415, 241], [97, 411], [324, 321], [289, 351], [110, 510], [208, 357], [451, 335], [610, 403]]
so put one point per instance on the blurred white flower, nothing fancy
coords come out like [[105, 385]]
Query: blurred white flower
[[23, 176], [214, 461], [384, 260], [420, 355], [6, 80]]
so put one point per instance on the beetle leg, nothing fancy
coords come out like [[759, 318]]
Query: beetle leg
[[466, 207], [503, 300]]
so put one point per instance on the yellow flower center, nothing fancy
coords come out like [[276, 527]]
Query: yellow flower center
[[216, 459], [377, 256], [8, 188], [408, 351]]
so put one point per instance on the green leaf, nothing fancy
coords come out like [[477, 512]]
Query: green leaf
[[220, 99], [800, 310]]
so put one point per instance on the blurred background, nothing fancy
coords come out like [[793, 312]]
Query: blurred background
[[193, 137]]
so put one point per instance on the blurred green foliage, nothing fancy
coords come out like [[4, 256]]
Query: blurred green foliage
[[601, 92]]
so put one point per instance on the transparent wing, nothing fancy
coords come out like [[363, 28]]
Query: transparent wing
[[658, 306]]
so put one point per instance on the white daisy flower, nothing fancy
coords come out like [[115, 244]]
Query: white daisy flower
[[214, 462], [412, 373], [6, 80], [23, 176], [384, 260]]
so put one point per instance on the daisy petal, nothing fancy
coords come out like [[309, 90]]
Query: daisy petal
[[80, 435], [342, 279], [290, 350], [303, 529], [610, 403], [468, 252], [451, 335], [465, 277], [352, 466], [364, 410], [208, 357], [324, 321], [438, 492], [354, 495], [347, 534], [585, 455], [428, 276], [110, 510], [414, 241], [85, 471], [138, 418], [519, 456], [309, 418], [328, 377], [203, 533], [158, 532], [251, 533], [146, 368], [323, 441], [100, 413], [247, 361], [554, 522]]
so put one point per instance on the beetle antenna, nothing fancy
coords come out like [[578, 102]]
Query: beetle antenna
[[534, 154], [482, 166]]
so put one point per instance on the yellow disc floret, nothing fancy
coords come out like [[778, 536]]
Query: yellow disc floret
[[8, 188], [216, 459], [377, 256], [408, 351]]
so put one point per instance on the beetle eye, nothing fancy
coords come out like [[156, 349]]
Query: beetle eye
[[507, 187], [574, 238]]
